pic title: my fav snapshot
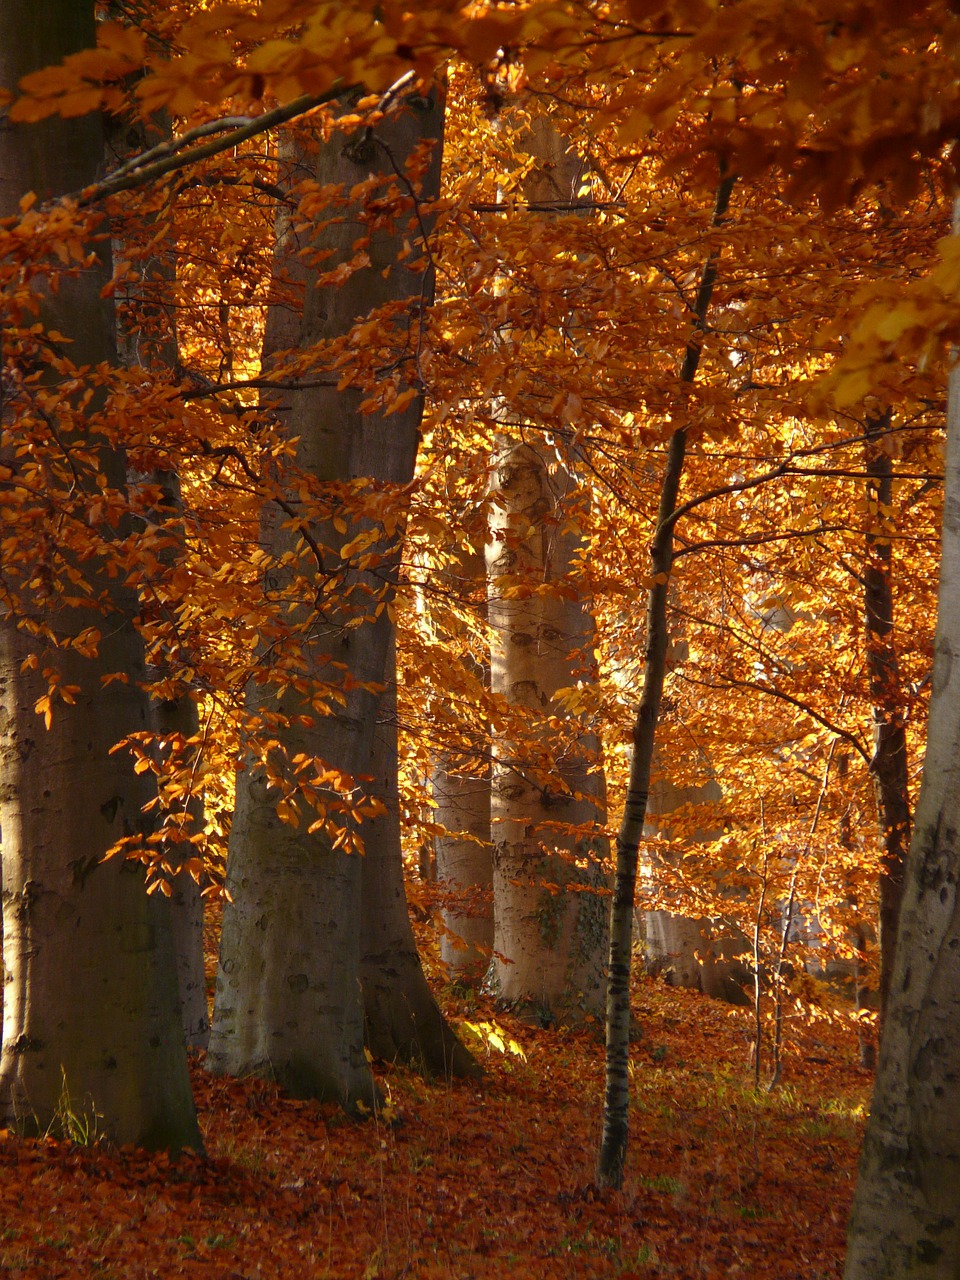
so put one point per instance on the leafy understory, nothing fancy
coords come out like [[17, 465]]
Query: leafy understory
[[477, 1180]]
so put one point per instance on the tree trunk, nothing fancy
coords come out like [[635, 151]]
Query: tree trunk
[[613, 1145], [402, 1018], [890, 763], [550, 918], [147, 338], [464, 855], [289, 1001], [688, 952], [91, 1038], [549, 939], [906, 1213], [465, 871]]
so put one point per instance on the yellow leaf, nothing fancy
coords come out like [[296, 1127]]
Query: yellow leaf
[[851, 388]]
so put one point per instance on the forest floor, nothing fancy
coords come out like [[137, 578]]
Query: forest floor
[[489, 1179]]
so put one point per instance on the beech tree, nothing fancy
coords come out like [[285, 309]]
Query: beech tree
[[905, 1220], [402, 1020], [147, 341], [91, 1019], [605, 409], [545, 823], [460, 790], [615, 1124], [549, 939], [289, 999]]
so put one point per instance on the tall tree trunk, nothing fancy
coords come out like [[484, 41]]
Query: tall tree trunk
[[890, 763], [465, 870], [147, 338], [402, 1018], [906, 1212], [613, 1145], [91, 1030], [549, 939], [289, 1001]]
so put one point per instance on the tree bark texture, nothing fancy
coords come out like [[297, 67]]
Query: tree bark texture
[[550, 918], [549, 934], [147, 338], [91, 1036], [289, 1002], [403, 1021], [613, 1144], [890, 764], [906, 1213], [460, 787]]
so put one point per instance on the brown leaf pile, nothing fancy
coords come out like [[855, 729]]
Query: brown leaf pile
[[475, 1180]]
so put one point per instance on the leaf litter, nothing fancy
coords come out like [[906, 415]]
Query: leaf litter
[[473, 1180]]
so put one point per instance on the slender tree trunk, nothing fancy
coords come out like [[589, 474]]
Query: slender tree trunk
[[91, 1028], [464, 855], [289, 1001], [906, 1212], [465, 870], [890, 764], [613, 1146]]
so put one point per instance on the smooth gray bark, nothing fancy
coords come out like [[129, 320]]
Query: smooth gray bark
[[147, 338], [289, 1002], [550, 935], [403, 1021], [906, 1213], [91, 1037], [550, 913]]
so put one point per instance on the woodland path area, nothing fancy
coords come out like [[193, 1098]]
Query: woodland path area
[[476, 1180]]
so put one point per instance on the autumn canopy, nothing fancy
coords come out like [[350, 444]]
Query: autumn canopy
[[472, 495]]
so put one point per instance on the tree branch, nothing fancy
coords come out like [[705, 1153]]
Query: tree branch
[[807, 710], [178, 153]]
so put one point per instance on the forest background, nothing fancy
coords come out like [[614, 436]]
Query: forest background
[[636, 240]]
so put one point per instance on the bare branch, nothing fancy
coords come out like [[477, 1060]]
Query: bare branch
[[178, 153]]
